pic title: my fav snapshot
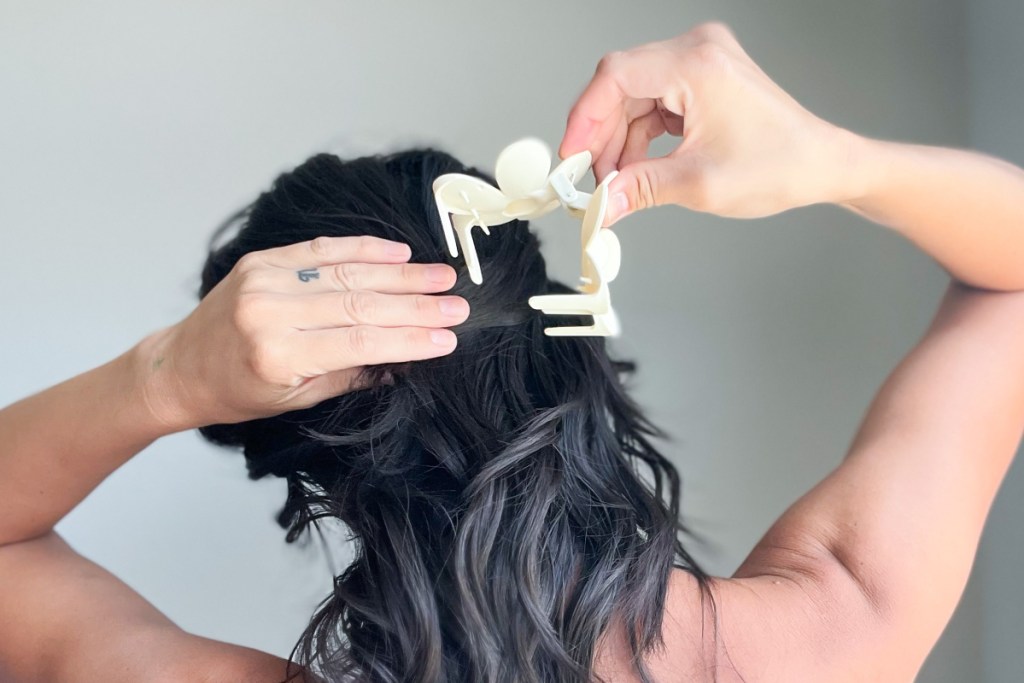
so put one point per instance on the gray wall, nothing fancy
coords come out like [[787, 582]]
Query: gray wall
[[996, 95], [129, 130]]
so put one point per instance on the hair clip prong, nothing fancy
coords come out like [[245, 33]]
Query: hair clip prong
[[527, 190]]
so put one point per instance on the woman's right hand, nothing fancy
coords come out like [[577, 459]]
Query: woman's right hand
[[748, 149], [292, 326]]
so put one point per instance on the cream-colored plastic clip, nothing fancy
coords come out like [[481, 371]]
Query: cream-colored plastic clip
[[527, 190]]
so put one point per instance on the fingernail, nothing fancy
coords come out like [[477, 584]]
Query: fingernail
[[453, 306], [443, 338], [397, 249], [439, 274], [618, 206]]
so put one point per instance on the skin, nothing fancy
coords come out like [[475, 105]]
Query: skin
[[854, 582]]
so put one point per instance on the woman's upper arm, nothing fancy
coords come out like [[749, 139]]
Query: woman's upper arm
[[900, 518], [64, 619]]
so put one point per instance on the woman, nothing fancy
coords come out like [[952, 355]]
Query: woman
[[854, 582]]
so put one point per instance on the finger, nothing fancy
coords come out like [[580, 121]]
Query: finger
[[653, 182], [643, 73], [610, 156], [340, 382], [322, 387], [325, 250], [324, 351], [639, 136], [675, 124], [363, 307], [609, 159], [581, 132], [388, 278]]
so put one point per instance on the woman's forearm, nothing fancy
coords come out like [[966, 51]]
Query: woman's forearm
[[57, 445], [963, 208], [248, 350]]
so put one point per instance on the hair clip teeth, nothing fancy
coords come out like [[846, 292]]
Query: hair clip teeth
[[527, 190]]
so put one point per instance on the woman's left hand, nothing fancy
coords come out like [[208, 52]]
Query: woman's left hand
[[292, 326]]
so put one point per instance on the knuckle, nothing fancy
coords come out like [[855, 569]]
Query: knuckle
[[411, 273], [247, 263], [320, 246], [424, 307], [710, 55], [610, 62], [714, 30], [346, 276], [653, 125], [361, 305], [249, 313], [414, 339], [252, 281], [264, 360], [362, 340], [644, 189], [367, 244]]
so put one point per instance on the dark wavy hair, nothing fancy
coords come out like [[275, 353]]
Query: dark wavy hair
[[506, 501]]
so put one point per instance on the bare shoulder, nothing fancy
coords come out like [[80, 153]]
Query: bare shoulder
[[754, 629], [218, 662], [758, 629], [69, 620]]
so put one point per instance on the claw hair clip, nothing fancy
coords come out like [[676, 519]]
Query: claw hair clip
[[527, 190]]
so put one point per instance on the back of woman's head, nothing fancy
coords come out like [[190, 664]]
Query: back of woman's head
[[505, 500]]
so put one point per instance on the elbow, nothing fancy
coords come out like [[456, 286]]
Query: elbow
[[12, 537]]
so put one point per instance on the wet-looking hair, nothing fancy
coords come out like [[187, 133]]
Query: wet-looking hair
[[506, 501]]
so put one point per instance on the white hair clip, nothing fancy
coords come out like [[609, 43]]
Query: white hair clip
[[526, 189]]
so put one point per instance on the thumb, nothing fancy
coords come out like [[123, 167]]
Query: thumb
[[340, 382], [651, 182], [322, 387]]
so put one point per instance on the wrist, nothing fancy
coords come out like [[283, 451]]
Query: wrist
[[858, 169], [160, 393]]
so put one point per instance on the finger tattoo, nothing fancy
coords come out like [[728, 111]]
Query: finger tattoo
[[307, 274]]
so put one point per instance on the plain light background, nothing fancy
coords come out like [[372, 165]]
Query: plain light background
[[129, 130]]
